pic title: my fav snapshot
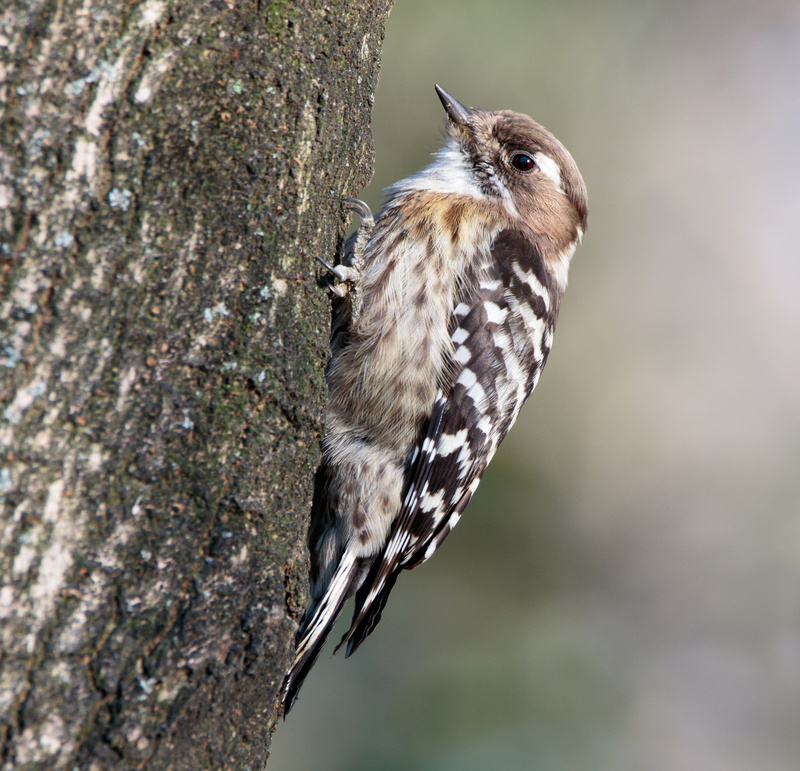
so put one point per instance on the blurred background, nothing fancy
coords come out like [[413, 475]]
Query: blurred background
[[624, 590]]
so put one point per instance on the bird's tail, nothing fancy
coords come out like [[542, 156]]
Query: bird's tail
[[318, 624]]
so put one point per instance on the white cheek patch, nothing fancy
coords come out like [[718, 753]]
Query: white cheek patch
[[549, 168], [560, 266], [451, 173]]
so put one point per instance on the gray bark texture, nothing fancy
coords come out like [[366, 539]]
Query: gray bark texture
[[168, 173]]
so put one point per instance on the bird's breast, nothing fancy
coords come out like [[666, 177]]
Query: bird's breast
[[417, 262]]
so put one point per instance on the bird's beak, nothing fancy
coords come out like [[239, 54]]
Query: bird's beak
[[455, 110]]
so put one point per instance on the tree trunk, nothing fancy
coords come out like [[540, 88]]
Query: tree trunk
[[168, 174]]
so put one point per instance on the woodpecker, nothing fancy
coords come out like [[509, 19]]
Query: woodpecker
[[444, 318]]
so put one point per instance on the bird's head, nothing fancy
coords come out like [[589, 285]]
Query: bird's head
[[510, 157]]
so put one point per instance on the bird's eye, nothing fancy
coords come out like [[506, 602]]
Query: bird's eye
[[523, 162]]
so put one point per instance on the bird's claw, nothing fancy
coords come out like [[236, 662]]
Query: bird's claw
[[350, 278], [349, 274], [357, 206]]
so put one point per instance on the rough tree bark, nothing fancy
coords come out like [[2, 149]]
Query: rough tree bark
[[168, 173]]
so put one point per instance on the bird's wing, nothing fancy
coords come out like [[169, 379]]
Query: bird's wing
[[501, 332]]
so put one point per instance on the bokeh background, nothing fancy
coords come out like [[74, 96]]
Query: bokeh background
[[624, 590]]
